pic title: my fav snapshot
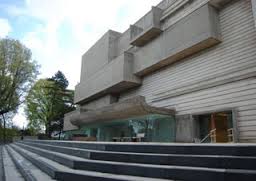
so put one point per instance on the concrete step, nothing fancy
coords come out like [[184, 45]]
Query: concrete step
[[210, 161], [162, 148], [2, 176], [11, 172], [26, 168], [145, 170], [64, 173]]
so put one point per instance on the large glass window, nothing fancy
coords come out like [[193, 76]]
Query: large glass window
[[150, 128]]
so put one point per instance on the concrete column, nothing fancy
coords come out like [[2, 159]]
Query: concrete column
[[254, 10], [185, 128]]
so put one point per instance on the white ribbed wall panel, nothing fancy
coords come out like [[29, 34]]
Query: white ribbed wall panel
[[236, 52]]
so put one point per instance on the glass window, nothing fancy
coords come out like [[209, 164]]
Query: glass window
[[151, 128]]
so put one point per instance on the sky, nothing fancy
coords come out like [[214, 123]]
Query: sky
[[58, 32]]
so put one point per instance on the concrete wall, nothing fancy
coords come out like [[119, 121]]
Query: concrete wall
[[217, 78], [199, 31], [185, 129], [220, 76], [100, 54], [98, 103], [254, 10], [67, 124]]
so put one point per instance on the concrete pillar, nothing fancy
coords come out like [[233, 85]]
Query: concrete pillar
[[185, 128], [254, 10]]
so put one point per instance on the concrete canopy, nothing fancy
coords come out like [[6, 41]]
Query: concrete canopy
[[129, 108]]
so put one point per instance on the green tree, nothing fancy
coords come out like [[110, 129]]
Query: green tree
[[47, 102], [17, 72], [63, 98], [60, 79]]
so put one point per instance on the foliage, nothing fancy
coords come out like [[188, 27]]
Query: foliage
[[60, 80], [17, 72], [10, 133], [47, 102]]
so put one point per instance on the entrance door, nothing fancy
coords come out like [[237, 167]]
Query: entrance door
[[215, 127], [219, 127]]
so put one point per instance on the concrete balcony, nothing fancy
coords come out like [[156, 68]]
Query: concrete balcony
[[192, 34], [219, 3], [147, 28], [113, 78]]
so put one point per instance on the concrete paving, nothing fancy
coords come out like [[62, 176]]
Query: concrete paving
[[62, 172], [174, 170], [11, 172], [163, 148], [48, 160], [213, 161], [2, 177], [26, 168]]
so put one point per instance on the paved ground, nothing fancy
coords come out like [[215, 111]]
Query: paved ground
[[10, 171], [1, 164]]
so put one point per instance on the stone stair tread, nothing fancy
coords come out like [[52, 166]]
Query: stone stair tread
[[11, 172], [63, 168], [26, 168], [143, 154], [2, 177], [238, 149], [150, 143], [75, 158]]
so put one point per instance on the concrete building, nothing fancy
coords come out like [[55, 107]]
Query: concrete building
[[184, 72]]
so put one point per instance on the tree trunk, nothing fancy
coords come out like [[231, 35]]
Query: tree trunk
[[59, 134], [4, 131], [49, 127]]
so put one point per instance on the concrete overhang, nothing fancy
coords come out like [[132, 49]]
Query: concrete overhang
[[192, 34], [129, 108], [219, 3], [147, 28], [114, 78]]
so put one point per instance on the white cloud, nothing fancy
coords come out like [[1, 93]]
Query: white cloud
[[5, 27], [88, 21], [20, 119]]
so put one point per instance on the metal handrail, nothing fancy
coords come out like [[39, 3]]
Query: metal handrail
[[208, 135], [230, 134]]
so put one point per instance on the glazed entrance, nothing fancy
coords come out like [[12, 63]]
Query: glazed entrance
[[215, 127], [149, 128]]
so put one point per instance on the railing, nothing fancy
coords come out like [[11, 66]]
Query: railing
[[211, 135], [230, 135]]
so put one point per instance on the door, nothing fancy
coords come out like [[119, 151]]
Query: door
[[219, 123]]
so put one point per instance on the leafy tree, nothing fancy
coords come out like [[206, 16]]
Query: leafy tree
[[47, 102], [17, 72], [60, 80], [38, 104], [64, 100]]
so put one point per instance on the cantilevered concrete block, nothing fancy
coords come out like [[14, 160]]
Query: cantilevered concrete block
[[100, 54], [196, 32], [114, 77], [219, 3], [146, 28]]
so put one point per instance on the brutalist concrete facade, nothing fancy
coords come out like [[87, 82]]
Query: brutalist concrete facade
[[193, 57]]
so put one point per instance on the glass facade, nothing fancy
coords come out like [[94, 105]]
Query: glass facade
[[149, 128]]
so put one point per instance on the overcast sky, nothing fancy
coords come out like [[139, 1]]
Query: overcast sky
[[59, 31]]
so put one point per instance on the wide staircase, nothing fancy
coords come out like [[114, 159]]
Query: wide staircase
[[94, 161]]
